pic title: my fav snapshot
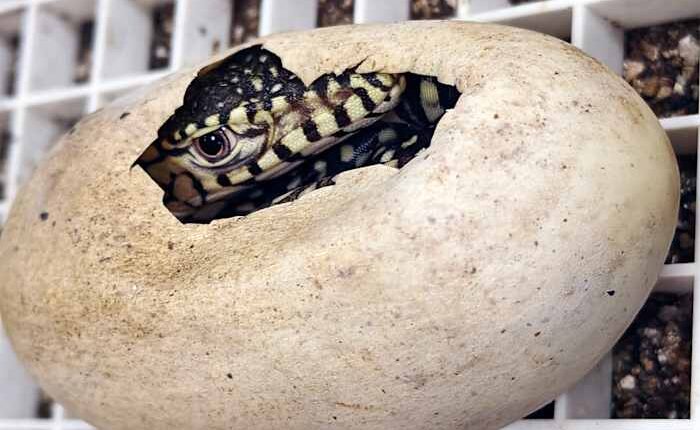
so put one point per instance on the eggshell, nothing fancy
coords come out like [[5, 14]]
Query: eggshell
[[462, 291]]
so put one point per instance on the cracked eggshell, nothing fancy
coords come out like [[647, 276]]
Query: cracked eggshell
[[465, 290]]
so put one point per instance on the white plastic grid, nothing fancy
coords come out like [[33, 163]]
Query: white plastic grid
[[46, 100]]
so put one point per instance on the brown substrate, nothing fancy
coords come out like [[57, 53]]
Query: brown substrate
[[162, 36], [661, 63], [43, 408], [11, 77], [683, 245], [651, 363], [245, 15], [546, 412], [84, 59], [334, 12], [433, 9]]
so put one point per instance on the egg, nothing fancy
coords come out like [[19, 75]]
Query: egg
[[462, 291]]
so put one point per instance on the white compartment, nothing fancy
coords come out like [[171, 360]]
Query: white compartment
[[599, 26], [284, 15], [683, 132], [599, 37], [643, 13], [203, 31], [18, 391], [129, 37], [676, 279], [551, 17], [474, 7], [3, 214], [108, 91], [56, 43], [108, 97], [43, 125], [590, 397], [599, 29], [384, 11]]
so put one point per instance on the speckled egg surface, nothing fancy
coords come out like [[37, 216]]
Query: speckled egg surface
[[462, 291]]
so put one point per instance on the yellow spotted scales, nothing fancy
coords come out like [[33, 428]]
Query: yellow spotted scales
[[250, 134]]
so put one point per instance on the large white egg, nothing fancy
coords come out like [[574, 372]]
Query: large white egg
[[462, 291]]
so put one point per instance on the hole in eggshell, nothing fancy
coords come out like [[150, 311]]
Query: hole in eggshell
[[250, 134]]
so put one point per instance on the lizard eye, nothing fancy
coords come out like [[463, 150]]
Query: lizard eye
[[216, 145]]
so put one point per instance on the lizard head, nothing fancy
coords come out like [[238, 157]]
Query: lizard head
[[247, 119]]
